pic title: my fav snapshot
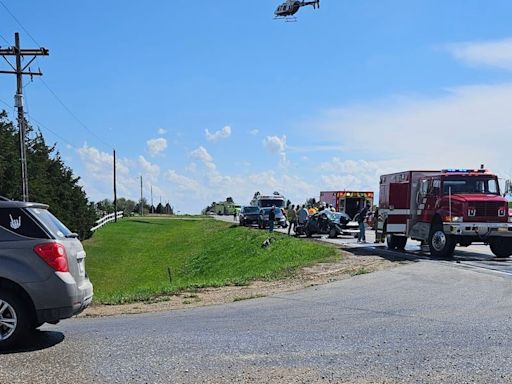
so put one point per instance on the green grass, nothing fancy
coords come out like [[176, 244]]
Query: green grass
[[129, 261]]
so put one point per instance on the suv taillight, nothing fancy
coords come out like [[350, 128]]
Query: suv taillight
[[54, 255]]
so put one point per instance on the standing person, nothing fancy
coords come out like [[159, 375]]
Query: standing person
[[303, 215], [292, 218], [234, 214], [361, 219], [271, 219]]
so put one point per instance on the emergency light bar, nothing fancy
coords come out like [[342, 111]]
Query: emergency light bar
[[463, 170]]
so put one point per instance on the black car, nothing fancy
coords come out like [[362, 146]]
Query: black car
[[249, 215], [325, 223], [280, 219]]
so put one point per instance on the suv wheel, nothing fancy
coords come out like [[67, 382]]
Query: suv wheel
[[14, 320]]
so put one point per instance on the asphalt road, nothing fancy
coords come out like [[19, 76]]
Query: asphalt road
[[423, 323], [430, 321]]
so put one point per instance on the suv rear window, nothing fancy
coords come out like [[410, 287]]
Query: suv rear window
[[53, 224], [16, 220]]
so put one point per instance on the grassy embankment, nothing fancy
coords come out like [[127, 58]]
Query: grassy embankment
[[129, 261]]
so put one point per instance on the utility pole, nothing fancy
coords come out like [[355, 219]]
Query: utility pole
[[141, 203], [20, 71], [152, 211], [115, 189]]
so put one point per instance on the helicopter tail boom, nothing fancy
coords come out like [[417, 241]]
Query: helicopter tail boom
[[315, 4]]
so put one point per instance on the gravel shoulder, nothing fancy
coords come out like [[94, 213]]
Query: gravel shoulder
[[348, 266]]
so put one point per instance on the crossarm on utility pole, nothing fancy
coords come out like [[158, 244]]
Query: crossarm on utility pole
[[20, 71]]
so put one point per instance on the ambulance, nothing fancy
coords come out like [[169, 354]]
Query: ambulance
[[349, 202]]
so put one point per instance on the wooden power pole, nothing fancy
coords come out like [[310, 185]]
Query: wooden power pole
[[141, 197], [20, 70], [115, 189]]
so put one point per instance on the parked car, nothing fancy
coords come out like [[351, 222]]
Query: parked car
[[249, 215], [325, 223], [279, 221], [42, 271]]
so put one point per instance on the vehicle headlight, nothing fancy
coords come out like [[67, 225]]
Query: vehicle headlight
[[457, 219]]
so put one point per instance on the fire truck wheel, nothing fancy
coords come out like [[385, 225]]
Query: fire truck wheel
[[396, 242], [391, 242], [501, 247], [440, 244]]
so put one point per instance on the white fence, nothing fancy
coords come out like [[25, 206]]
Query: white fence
[[107, 219]]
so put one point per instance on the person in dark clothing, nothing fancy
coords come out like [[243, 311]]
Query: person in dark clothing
[[271, 219], [292, 218], [361, 218]]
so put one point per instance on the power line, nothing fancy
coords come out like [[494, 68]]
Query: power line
[[4, 39], [5, 103], [41, 125], [72, 114], [19, 23]]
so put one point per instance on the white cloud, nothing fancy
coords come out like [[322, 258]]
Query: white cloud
[[98, 174], [162, 131], [490, 53], [200, 153], [463, 128], [254, 132], [223, 133], [182, 182], [156, 146], [355, 174], [317, 148], [276, 145], [150, 169]]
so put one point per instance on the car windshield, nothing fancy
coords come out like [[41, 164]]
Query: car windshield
[[330, 215], [251, 210], [271, 202], [266, 211], [470, 185], [50, 222]]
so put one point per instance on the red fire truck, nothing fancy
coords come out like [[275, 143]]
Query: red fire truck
[[443, 209]]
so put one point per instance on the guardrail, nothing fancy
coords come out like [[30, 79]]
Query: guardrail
[[107, 219]]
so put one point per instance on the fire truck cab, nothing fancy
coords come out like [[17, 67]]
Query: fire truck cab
[[444, 209]]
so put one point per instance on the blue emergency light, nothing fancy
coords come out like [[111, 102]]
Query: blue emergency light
[[457, 170], [463, 170]]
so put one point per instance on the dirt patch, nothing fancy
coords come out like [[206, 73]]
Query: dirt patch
[[349, 266]]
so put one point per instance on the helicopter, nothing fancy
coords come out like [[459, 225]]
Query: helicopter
[[289, 8]]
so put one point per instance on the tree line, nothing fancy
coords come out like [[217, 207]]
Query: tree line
[[130, 207]]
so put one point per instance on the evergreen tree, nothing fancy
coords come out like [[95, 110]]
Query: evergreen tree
[[50, 181]]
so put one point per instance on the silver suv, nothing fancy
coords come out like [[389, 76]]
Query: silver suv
[[42, 271]]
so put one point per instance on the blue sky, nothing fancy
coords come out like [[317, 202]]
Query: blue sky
[[350, 91]]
